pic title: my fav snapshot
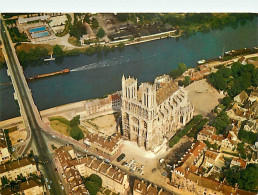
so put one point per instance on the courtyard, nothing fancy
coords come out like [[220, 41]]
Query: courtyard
[[105, 124], [203, 96]]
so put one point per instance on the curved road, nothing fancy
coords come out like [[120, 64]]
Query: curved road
[[41, 146]]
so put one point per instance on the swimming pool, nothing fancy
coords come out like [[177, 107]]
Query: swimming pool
[[41, 34], [33, 30]]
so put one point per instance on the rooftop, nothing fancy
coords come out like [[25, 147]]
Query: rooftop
[[166, 91], [16, 164], [23, 186]]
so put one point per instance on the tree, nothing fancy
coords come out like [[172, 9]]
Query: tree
[[76, 133], [94, 23], [101, 33], [241, 150], [182, 68], [249, 177], [93, 184], [174, 73], [218, 81], [226, 101], [121, 45], [247, 136], [58, 51], [31, 154], [86, 18], [245, 178], [221, 122], [22, 55], [123, 16], [4, 180], [75, 121]]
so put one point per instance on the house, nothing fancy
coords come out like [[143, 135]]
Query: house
[[196, 76], [108, 145], [63, 156], [116, 101], [29, 187], [191, 159], [230, 142], [241, 98], [242, 60], [206, 133], [142, 188], [4, 153], [238, 162], [73, 168], [11, 170]]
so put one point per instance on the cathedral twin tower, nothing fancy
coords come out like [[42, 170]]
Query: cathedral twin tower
[[153, 113]]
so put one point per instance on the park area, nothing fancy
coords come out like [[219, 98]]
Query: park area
[[203, 96], [69, 128]]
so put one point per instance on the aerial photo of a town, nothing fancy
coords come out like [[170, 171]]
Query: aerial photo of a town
[[128, 103]]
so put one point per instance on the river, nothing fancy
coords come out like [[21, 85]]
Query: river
[[97, 75]]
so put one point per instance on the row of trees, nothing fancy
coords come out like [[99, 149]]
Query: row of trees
[[202, 22], [17, 36], [236, 79], [37, 53], [32, 54], [174, 140]]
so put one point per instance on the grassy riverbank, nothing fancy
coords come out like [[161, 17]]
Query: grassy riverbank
[[31, 52]]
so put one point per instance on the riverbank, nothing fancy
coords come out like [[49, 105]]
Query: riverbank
[[93, 76]]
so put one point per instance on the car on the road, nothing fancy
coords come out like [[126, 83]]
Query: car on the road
[[131, 170], [121, 157], [53, 136], [164, 174], [46, 180], [49, 187]]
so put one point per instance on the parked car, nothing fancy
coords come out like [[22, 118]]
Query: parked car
[[121, 157]]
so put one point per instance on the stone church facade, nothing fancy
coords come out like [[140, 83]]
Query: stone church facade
[[153, 113]]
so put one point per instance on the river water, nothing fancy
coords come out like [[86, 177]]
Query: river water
[[97, 75]]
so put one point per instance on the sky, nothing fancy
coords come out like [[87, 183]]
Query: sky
[[128, 6]]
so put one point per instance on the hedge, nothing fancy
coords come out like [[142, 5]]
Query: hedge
[[184, 131]]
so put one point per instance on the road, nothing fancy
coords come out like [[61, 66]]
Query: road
[[41, 146]]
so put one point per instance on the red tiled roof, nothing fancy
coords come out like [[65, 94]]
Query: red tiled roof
[[115, 97]]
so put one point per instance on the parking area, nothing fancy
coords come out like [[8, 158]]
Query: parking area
[[142, 163]]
